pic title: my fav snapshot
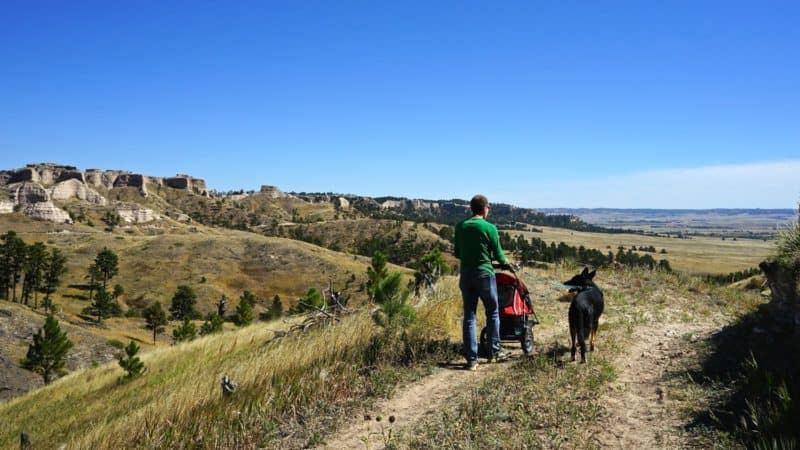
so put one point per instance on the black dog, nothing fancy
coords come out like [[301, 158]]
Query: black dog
[[584, 311]]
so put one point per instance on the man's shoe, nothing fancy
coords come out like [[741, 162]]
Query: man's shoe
[[472, 366], [500, 355]]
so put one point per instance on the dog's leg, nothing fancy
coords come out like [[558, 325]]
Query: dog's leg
[[572, 336], [595, 325], [582, 335]]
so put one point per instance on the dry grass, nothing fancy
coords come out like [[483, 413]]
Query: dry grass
[[698, 255], [548, 402], [213, 261], [298, 386]]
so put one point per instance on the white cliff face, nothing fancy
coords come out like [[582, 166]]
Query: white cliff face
[[28, 192], [74, 189], [392, 204], [342, 202], [134, 213], [6, 206], [46, 211]]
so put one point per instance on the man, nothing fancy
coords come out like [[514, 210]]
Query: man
[[476, 246]]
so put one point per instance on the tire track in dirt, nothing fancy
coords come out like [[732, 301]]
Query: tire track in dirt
[[420, 398], [638, 411]]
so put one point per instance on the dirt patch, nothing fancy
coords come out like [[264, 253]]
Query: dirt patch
[[17, 327], [406, 407], [639, 412]]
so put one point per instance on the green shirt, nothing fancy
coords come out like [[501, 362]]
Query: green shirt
[[477, 245]]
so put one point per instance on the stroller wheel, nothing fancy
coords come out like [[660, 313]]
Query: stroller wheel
[[526, 341]]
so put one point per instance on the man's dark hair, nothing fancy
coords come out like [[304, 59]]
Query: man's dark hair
[[478, 203]]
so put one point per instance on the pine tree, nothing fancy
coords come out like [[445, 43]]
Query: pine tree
[[130, 362], [35, 260], [248, 297], [186, 331], [103, 306], [244, 313], [213, 324], [47, 355], [13, 258], [117, 292], [376, 273], [183, 302], [395, 311], [275, 309], [55, 268], [107, 264], [155, 319], [93, 276], [309, 302], [112, 219]]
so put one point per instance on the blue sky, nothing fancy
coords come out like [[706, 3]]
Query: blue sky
[[550, 104]]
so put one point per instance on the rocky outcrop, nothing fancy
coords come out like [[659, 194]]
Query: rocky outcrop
[[272, 192], [102, 178], [134, 213], [341, 202], [48, 174], [45, 173], [393, 204], [6, 206], [75, 189], [28, 192], [46, 211], [784, 282], [187, 183]]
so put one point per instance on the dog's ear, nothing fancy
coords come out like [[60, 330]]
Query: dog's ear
[[585, 271], [592, 274]]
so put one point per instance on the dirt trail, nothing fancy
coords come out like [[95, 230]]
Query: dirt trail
[[423, 397], [409, 405], [429, 394], [638, 409]]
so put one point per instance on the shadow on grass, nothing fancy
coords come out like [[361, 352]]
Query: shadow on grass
[[76, 297], [80, 287], [760, 363]]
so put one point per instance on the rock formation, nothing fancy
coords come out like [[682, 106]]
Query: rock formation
[[272, 192], [341, 202], [187, 183], [134, 213], [784, 282], [33, 189], [28, 192], [74, 189], [6, 206], [46, 211]]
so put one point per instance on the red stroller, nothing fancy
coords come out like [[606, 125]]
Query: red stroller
[[515, 306]]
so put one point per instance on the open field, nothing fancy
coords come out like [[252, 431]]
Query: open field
[[717, 222], [697, 255]]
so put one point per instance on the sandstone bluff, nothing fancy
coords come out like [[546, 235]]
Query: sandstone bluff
[[41, 190]]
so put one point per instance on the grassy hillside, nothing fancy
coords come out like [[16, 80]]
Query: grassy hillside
[[290, 389], [214, 261], [295, 391]]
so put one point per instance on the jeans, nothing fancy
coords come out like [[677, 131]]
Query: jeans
[[479, 284]]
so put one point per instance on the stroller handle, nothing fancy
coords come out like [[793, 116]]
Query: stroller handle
[[508, 267]]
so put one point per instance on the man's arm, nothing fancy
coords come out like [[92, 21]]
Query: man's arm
[[456, 242], [496, 249]]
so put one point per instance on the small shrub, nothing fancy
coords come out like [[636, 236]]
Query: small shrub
[[131, 363], [116, 343]]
